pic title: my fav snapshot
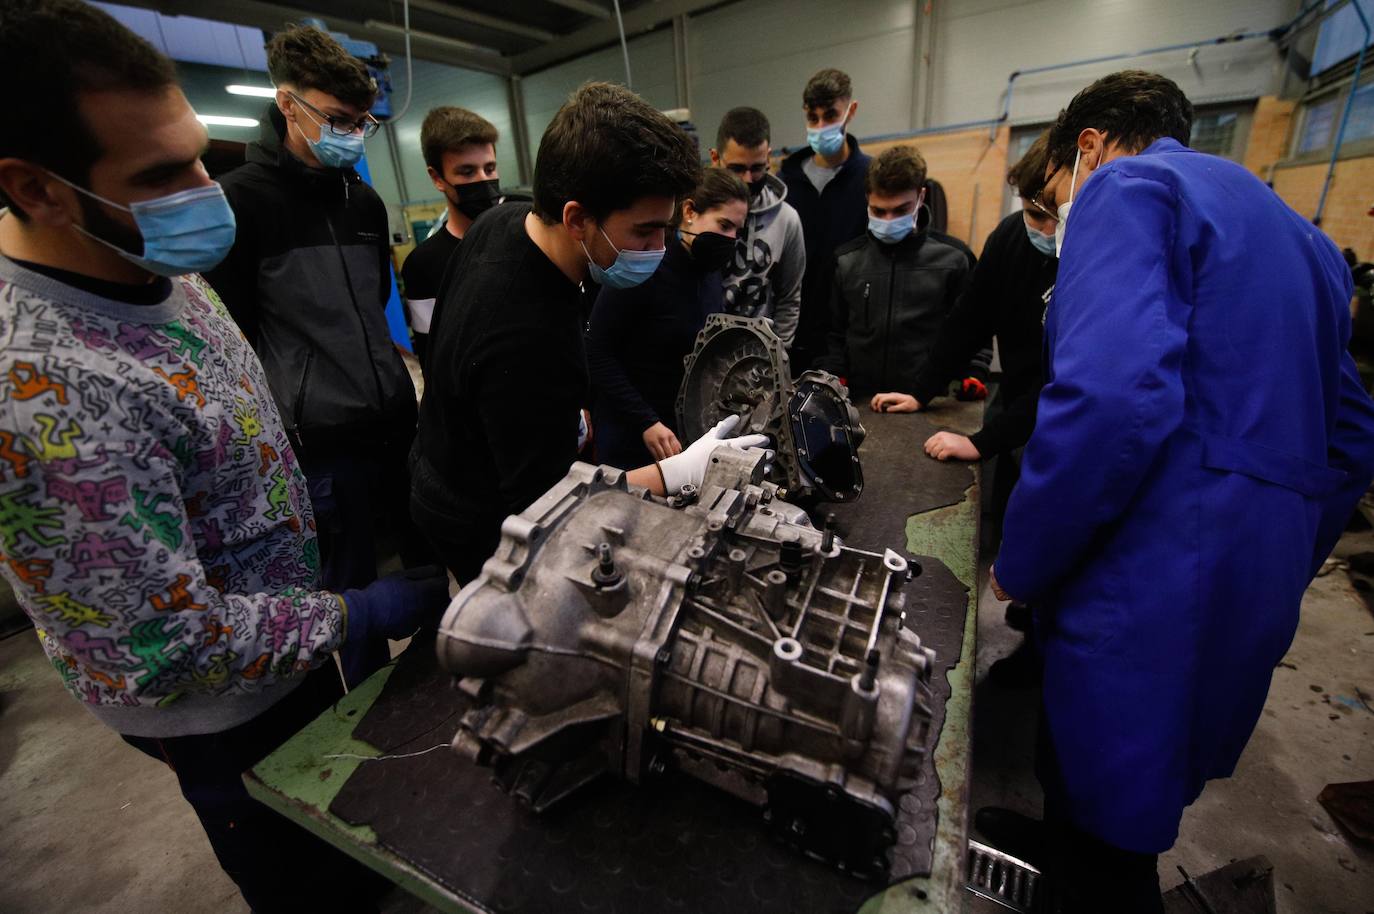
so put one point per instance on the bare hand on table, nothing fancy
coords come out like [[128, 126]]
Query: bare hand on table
[[949, 446], [894, 403]]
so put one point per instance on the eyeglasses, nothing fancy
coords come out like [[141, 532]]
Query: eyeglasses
[[342, 126], [757, 169], [1035, 202]]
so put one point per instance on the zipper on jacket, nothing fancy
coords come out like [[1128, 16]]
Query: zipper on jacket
[[357, 310], [887, 336], [299, 407]]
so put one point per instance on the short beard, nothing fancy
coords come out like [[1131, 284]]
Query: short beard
[[107, 228]]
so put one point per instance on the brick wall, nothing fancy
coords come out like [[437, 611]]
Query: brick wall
[[1346, 218], [1268, 134]]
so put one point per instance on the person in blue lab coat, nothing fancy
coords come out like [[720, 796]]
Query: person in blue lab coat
[[1200, 442]]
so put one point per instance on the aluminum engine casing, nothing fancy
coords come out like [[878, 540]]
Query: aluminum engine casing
[[738, 366], [722, 636]]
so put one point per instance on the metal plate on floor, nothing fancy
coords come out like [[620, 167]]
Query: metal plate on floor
[[1000, 877]]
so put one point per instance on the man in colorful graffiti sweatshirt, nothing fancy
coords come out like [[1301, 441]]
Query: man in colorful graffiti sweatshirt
[[154, 522]]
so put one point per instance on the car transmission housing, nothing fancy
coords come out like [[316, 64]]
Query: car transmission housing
[[718, 634], [738, 366]]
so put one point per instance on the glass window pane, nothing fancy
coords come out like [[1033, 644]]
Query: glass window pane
[[1317, 125], [1361, 123], [1215, 133]]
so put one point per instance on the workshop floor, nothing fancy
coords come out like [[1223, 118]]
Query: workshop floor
[[88, 824], [1315, 730]]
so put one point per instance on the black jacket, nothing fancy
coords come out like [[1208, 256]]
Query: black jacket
[[828, 219], [635, 350], [1006, 298], [308, 281], [887, 302], [505, 382]]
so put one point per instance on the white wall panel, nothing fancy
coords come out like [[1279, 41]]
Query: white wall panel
[[761, 53], [651, 67], [978, 43]]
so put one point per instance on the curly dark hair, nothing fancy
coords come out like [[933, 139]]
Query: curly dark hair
[[1133, 108], [307, 58], [898, 170], [825, 88], [606, 148], [449, 129], [1027, 176], [718, 186], [64, 48]]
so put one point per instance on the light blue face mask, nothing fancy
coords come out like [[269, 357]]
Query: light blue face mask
[[630, 268], [186, 232], [891, 231], [332, 150], [338, 151], [1043, 243], [826, 141]]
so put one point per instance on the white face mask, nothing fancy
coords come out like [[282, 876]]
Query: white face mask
[[1063, 210]]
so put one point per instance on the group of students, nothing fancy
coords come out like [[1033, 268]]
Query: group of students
[[202, 414], [852, 279]]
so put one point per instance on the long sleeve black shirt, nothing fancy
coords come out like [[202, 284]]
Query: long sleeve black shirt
[[504, 383], [1006, 299]]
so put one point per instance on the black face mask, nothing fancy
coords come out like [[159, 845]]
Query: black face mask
[[756, 187], [476, 198], [711, 251]]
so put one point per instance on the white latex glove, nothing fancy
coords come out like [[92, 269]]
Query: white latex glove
[[689, 467]]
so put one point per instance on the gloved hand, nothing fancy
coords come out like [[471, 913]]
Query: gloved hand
[[393, 607], [689, 467], [396, 605], [972, 389]]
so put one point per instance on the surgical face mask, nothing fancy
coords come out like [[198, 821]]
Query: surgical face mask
[[711, 251], [477, 197], [826, 141], [1044, 243], [1063, 211], [630, 268], [332, 150], [187, 232], [891, 231]]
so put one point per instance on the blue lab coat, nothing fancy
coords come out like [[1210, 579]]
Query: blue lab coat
[[1201, 441]]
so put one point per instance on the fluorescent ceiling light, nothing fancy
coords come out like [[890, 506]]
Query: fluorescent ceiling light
[[216, 120], [255, 91]]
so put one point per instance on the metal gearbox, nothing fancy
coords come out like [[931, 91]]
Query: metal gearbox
[[718, 634], [739, 367]]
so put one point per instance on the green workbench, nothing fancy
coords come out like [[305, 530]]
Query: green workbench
[[301, 779]]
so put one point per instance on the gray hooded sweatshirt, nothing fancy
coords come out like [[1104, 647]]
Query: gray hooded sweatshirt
[[764, 279]]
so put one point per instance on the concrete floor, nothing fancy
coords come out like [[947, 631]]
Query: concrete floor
[[89, 824]]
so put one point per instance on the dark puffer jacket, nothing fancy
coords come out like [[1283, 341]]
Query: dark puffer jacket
[[887, 303], [308, 280]]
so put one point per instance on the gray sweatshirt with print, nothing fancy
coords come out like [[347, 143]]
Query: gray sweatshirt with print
[[764, 279]]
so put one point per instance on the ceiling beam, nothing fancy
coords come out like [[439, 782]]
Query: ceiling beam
[[602, 34], [272, 17], [585, 7], [449, 11]]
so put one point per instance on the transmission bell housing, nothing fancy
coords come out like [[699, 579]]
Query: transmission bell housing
[[718, 635], [738, 367]]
